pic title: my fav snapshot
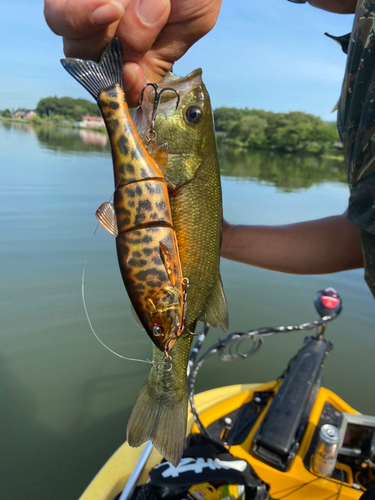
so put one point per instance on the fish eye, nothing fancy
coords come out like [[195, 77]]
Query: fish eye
[[193, 114], [157, 331]]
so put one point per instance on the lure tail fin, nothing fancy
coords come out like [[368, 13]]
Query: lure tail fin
[[159, 415], [93, 76]]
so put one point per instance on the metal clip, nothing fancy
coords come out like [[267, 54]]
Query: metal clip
[[165, 365]]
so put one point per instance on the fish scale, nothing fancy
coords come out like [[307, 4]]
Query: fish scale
[[193, 178]]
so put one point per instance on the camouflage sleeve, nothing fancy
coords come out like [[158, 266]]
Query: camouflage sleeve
[[356, 117]]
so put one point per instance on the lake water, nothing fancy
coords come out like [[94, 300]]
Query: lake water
[[64, 399]]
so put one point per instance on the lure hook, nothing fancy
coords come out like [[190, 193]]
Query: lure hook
[[185, 286], [151, 135]]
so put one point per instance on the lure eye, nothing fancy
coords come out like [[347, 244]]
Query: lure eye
[[193, 114], [157, 331]]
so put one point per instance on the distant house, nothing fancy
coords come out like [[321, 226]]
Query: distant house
[[24, 114], [92, 121]]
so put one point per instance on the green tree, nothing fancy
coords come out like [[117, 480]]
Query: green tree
[[286, 132], [250, 132], [66, 107], [6, 113]]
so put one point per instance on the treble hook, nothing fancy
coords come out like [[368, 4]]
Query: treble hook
[[151, 135], [185, 286]]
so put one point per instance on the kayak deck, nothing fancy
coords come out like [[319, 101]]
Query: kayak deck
[[112, 477], [299, 482]]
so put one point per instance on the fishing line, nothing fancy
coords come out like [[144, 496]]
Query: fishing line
[[300, 487], [166, 363], [87, 313], [342, 478]]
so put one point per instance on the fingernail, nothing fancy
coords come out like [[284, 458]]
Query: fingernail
[[150, 11], [108, 13]]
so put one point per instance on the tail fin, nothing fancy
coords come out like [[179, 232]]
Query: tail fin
[[93, 76], [159, 416]]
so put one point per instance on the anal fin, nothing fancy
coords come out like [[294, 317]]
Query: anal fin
[[216, 311]]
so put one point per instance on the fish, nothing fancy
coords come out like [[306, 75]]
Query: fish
[[140, 216], [193, 178]]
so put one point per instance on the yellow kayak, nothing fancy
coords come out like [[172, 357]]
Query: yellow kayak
[[300, 439], [213, 405]]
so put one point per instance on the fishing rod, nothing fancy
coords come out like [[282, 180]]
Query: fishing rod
[[328, 304]]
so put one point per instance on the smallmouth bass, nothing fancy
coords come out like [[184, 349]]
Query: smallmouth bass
[[193, 179], [140, 217]]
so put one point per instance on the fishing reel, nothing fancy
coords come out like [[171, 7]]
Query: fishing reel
[[328, 303]]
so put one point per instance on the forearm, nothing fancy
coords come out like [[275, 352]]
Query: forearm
[[315, 247]]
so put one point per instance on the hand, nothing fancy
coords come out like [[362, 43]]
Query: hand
[[153, 33]]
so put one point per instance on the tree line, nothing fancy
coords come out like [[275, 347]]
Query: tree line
[[242, 128], [66, 108], [60, 108], [289, 132]]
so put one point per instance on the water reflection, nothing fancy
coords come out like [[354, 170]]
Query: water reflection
[[94, 138], [67, 140], [288, 172], [26, 128]]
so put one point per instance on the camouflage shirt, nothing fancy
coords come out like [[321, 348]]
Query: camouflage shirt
[[356, 124]]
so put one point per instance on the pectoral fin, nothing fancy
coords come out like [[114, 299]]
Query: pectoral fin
[[160, 155], [169, 262], [107, 218], [217, 312]]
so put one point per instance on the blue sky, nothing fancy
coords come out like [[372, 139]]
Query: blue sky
[[265, 54]]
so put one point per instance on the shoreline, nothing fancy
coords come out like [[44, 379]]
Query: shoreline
[[329, 155], [49, 123]]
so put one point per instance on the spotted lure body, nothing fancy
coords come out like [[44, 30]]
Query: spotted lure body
[[140, 217]]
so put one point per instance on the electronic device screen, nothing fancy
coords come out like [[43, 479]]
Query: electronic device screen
[[356, 431]]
